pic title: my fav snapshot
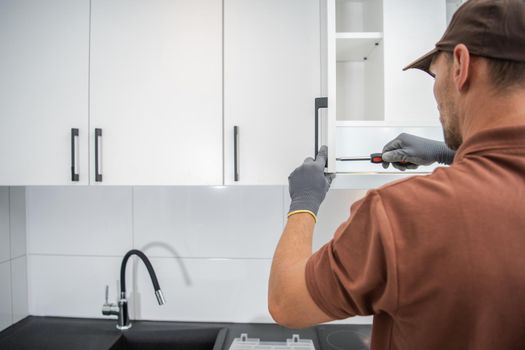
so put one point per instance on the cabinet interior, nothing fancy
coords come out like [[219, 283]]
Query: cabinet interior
[[359, 54], [359, 16]]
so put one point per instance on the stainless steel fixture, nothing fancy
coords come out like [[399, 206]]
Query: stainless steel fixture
[[121, 309]]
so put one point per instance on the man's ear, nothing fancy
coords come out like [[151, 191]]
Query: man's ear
[[461, 67]]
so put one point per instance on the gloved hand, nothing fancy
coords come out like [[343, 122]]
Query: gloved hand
[[309, 184], [416, 150]]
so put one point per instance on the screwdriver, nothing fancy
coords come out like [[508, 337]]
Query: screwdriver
[[376, 158]]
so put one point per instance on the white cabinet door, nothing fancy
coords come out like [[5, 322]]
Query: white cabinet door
[[366, 44], [156, 91], [271, 78], [43, 90], [412, 28]]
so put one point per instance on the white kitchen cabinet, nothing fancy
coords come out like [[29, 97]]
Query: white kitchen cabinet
[[43, 91], [167, 82], [156, 92], [271, 78], [366, 43]]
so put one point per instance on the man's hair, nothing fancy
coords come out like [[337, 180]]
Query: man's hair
[[506, 74]]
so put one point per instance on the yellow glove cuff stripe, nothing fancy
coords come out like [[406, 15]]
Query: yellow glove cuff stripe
[[303, 211]]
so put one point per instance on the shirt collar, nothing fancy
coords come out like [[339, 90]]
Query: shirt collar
[[492, 139]]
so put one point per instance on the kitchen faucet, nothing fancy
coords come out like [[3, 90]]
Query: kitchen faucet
[[121, 310]]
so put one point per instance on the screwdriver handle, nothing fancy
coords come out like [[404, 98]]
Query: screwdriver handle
[[377, 158]]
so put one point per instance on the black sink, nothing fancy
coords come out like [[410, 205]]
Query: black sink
[[56, 333], [179, 339]]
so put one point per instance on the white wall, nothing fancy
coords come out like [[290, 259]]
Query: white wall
[[211, 248], [13, 261]]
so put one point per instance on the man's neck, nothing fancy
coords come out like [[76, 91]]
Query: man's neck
[[488, 111]]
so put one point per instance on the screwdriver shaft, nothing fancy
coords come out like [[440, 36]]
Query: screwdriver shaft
[[350, 159]]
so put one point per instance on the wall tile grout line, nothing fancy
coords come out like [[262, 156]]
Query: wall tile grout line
[[10, 253], [132, 289], [133, 217], [61, 255], [28, 269], [28, 244], [75, 255], [9, 223], [26, 217], [12, 292], [134, 305], [18, 257]]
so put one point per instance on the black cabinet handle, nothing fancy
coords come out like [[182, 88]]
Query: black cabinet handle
[[98, 155], [75, 176], [236, 153], [320, 102]]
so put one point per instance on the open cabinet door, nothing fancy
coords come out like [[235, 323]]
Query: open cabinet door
[[368, 99], [326, 105]]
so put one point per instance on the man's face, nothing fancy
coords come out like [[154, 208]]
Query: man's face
[[444, 94]]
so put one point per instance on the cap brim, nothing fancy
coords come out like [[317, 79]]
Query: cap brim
[[423, 62]]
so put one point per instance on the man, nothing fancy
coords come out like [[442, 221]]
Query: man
[[439, 260]]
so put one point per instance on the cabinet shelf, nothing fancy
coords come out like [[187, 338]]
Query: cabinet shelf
[[356, 46]]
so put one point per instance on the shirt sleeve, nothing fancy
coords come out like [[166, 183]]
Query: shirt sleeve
[[355, 273]]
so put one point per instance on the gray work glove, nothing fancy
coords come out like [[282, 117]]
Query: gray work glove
[[416, 151], [309, 184]]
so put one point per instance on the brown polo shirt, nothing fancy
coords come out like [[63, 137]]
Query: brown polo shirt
[[439, 260]]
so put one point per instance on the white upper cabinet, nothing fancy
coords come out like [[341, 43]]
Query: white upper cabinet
[[43, 91], [207, 92], [366, 44], [271, 79], [156, 92]]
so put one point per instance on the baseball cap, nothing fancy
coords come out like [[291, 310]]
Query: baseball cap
[[488, 28]]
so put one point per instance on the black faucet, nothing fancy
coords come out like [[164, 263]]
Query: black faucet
[[121, 310]]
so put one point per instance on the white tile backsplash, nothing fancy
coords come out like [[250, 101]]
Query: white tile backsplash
[[224, 222], [17, 204], [334, 210], [229, 290], [217, 290], [5, 295], [19, 288], [13, 271], [71, 285], [79, 220], [211, 248], [5, 253]]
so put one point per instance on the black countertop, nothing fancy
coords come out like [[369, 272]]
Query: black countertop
[[42, 333]]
